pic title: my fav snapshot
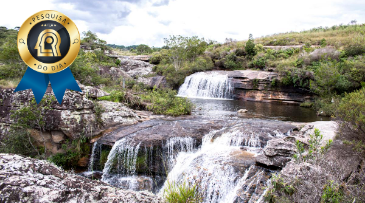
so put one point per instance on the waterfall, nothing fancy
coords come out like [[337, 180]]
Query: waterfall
[[95, 155], [126, 155], [178, 144], [206, 85], [121, 161], [212, 168]]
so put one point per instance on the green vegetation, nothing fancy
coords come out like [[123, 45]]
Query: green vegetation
[[165, 102], [182, 193], [282, 190], [183, 57], [332, 193], [352, 111], [26, 117], [315, 150], [159, 101], [73, 152]]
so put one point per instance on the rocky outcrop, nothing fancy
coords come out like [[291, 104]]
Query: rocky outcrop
[[264, 86], [135, 68], [158, 131], [276, 153], [114, 72], [30, 180], [154, 82], [280, 151], [77, 115]]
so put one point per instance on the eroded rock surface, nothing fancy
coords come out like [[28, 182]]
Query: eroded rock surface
[[279, 151], [31, 180], [77, 115]]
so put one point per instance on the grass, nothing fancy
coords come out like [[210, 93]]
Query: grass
[[123, 53], [9, 83], [337, 36], [182, 193]]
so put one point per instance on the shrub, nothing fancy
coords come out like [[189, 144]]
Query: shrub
[[352, 111], [231, 62], [156, 58], [332, 193], [182, 193], [259, 62], [74, 151], [19, 142], [250, 46], [165, 102], [315, 150], [306, 104]]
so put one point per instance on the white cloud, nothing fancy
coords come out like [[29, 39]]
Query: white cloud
[[128, 22]]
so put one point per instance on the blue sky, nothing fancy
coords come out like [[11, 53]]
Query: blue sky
[[128, 22]]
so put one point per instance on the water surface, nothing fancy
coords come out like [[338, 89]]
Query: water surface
[[223, 108]]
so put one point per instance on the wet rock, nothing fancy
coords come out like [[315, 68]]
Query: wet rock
[[27, 179], [94, 175]]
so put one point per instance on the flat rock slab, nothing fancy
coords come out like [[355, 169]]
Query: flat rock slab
[[157, 132]]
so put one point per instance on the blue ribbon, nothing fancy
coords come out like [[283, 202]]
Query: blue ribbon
[[38, 82]]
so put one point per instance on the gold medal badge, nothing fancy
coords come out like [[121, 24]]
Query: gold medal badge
[[48, 41]]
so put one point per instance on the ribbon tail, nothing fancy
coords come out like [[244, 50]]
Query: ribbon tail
[[61, 81], [36, 81]]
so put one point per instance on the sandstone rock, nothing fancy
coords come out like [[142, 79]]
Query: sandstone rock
[[156, 81], [135, 68], [40, 137], [272, 162], [276, 153], [31, 180], [327, 128], [57, 136], [75, 116], [117, 113], [57, 149], [278, 147], [114, 72], [92, 92]]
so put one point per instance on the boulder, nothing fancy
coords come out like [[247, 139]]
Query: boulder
[[276, 153], [135, 68], [155, 81], [31, 180], [57, 136], [279, 147]]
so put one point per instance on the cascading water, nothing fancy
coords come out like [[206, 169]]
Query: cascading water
[[212, 168], [178, 144], [126, 156], [95, 154], [121, 163], [206, 85]]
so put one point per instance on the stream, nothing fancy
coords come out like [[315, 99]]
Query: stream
[[215, 148]]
